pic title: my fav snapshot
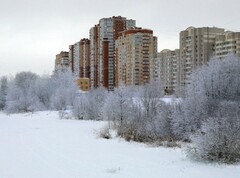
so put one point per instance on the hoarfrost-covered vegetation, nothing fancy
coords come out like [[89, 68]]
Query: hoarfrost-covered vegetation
[[28, 92], [208, 116]]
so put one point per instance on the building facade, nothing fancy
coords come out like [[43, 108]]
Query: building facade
[[166, 69], [227, 43], [84, 61], [83, 84], [196, 48], [102, 46], [79, 57], [62, 60], [94, 56], [134, 53]]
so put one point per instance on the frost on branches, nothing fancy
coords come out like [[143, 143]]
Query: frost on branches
[[212, 111]]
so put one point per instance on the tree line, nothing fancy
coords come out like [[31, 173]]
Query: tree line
[[207, 115]]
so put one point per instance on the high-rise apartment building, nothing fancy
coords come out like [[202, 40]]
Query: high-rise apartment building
[[76, 59], [102, 46], [62, 60], [134, 53], [79, 56], [166, 69], [196, 48], [94, 56], [84, 62], [71, 57], [227, 43]]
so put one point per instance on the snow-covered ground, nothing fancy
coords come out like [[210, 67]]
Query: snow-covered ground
[[42, 146]]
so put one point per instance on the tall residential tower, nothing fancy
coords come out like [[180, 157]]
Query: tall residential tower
[[196, 48], [134, 54], [102, 47]]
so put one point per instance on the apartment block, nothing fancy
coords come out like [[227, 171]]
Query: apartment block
[[79, 56], [166, 69], [102, 47], [134, 53], [71, 57], [94, 56], [62, 60], [196, 48], [84, 62], [227, 43]]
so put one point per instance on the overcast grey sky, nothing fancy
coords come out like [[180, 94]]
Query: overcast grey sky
[[32, 32]]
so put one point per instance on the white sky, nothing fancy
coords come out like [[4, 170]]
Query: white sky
[[32, 32]]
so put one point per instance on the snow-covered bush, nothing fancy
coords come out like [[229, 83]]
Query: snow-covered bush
[[217, 81], [90, 105], [209, 116], [105, 133], [3, 91], [139, 113], [219, 137]]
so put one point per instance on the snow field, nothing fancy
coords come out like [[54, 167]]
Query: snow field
[[40, 145]]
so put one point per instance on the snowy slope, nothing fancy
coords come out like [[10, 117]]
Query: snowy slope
[[42, 146]]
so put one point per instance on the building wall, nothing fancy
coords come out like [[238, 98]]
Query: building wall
[[166, 69], [84, 63], [135, 49], [79, 56], [227, 43], [83, 84], [104, 35], [196, 48], [71, 57], [62, 60], [76, 60], [94, 56]]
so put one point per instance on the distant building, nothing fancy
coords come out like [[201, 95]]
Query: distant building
[[62, 60], [84, 84], [94, 56], [102, 47], [84, 63], [227, 43], [134, 53], [79, 57], [71, 57], [166, 69], [196, 48]]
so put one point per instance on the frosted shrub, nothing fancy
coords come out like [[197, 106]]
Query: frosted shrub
[[218, 139], [211, 84], [210, 115]]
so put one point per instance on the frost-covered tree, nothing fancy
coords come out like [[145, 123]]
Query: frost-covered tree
[[95, 102], [3, 91], [19, 97], [65, 89], [80, 106], [209, 115], [90, 105], [42, 92], [117, 106], [150, 96], [211, 84]]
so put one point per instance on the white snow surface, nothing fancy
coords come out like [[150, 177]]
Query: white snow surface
[[41, 145]]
